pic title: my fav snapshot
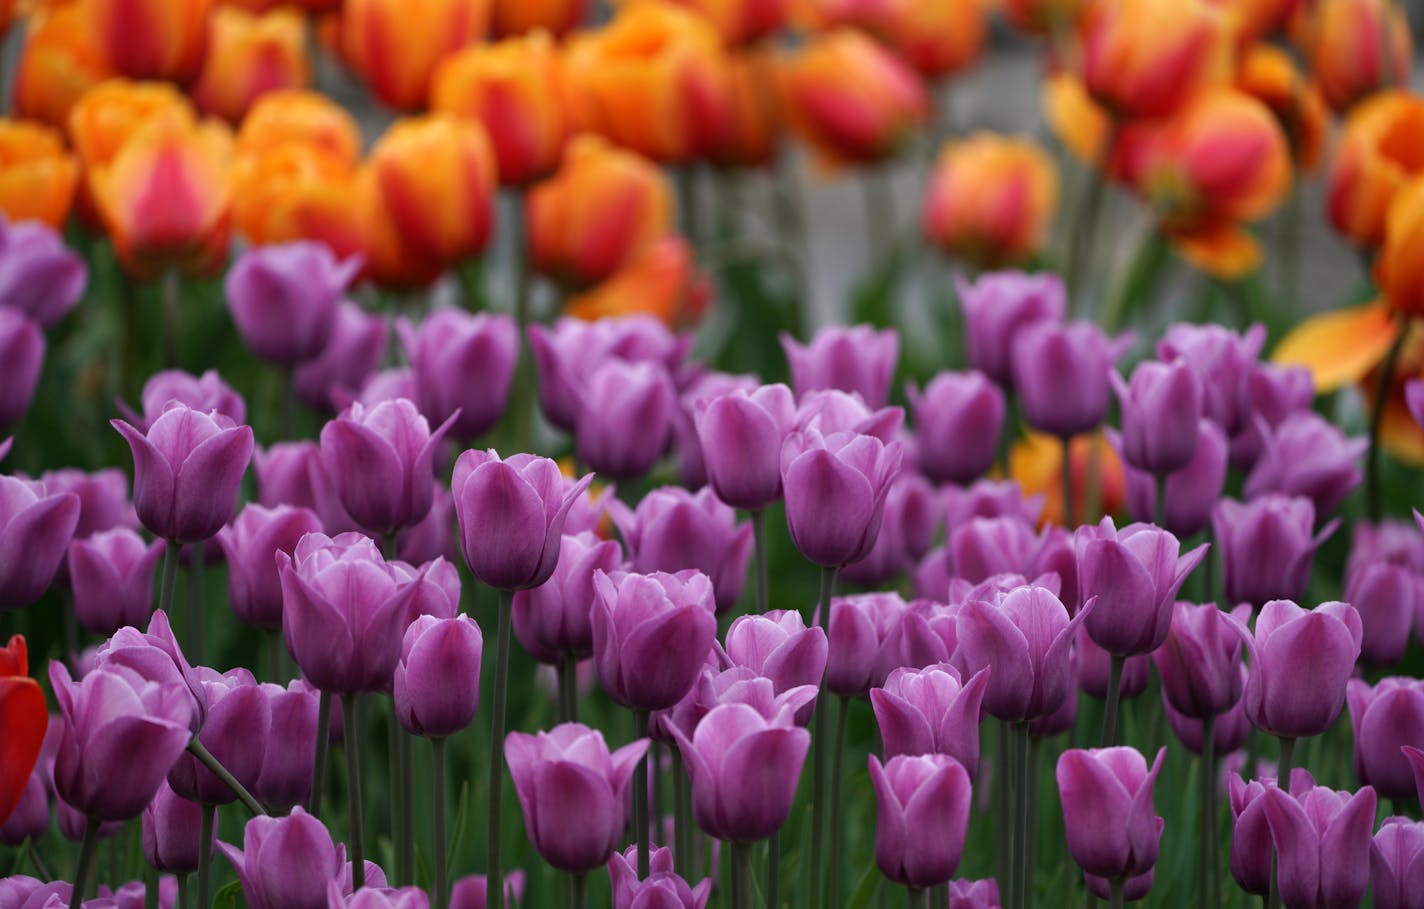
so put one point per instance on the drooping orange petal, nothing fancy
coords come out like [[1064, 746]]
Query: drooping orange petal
[[23, 720], [1036, 463], [1225, 250], [1339, 347]]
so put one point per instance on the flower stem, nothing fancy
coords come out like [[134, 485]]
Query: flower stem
[[758, 516], [172, 290], [87, 848], [273, 639], [289, 404], [773, 869], [1067, 474], [640, 796], [1025, 817], [405, 752], [577, 890], [568, 688], [437, 799], [1085, 224], [195, 603], [205, 757], [914, 898], [1114, 697], [1159, 500], [522, 284], [741, 876], [170, 578], [354, 739], [183, 898], [323, 739], [1035, 745], [1208, 813], [842, 711], [205, 854], [494, 875], [1003, 806], [1116, 889], [818, 752], [1384, 382], [681, 833]]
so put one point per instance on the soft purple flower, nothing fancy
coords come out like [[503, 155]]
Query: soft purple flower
[[1397, 864], [293, 473], [704, 389], [650, 635], [616, 396], [1229, 730], [958, 419], [835, 493], [239, 721], [376, 897], [1307, 455], [1266, 547], [661, 889], [552, 621], [1025, 638], [1192, 491], [511, 514], [207, 393], [286, 862], [354, 350], [437, 681], [983, 547], [780, 647], [998, 307], [966, 894], [921, 818], [30, 820], [1271, 393], [152, 656], [1135, 574], [1385, 718], [463, 363], [908, 528], [469, 891], [1161, 405], [1223, 360], [40, 277], [568, 773], [741, 435], [860, 642], [989, 499], [830, 411], [103, 497], [856, 358], [673, 530], [434, 536], [35, 529], [1384, 581], [187, 468], [1094, 667], [286, 776], [929, 711], [22, 351], [1112, 828], [1300, 662], [1322, 840], [111, 574], [170, 832], [249, 544], [1061, 375], [284, 297], [1200, 661]]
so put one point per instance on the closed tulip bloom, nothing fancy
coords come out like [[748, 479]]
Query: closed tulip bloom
[[1200, 662], [286, 861], [921, 818], [1229, 731], [1146, 58], [1300, 662], [1307, 455], [518, 17], [463, 363], [249, 544], [238, 723], [112, 578], [170, 832], [379, 460], [293, 473], [1160, 408], [907, 530], [511, 515], [983, 547], [857, 359], [662, 887], [515, 88], [284, 298], [692, 399], [552, 620], [103, 498], [1224, 361], [929, 711], [35, 530], [1094, 668], [1385, 718], [1322, 837], [469, 891], [153, 656], [619, 394], [1384, 581], [344, 608], [755, 118], [1251, 859], [1135, 574], [662, 283], [673, 530], [860, 637], [286, 776], [991, 198], [566, 767], [1025, 637], [1355, 48], [650, 635], [835, 492], [437, 681], [40, 177], [958, 419], [299, 190], [30, 818], [61, 60], [967, 894], [1061, 373], [207, 393], [250, 55], [39, 276], [1266, 546], [937, 39], [1396, 863], [176, 43], [1113, 830], [356, 348], [22, 350], [778, 646], [741, 435], [1398, 277], [1368, 167], [997, 308], [306, 118], [1192, 491], [831, 411], [397, 54]]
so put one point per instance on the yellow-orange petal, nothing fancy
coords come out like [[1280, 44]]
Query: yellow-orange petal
[[1341, 347], [1036, 463], [1227, 250]]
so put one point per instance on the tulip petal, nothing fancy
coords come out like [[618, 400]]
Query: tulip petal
[[563, 791], [667, 651], [829, 506], [939, 810], [903, 729], [1346, 842], [1095, 806], [757, 781], [1297, 848], [1342, 347], [23, 722], [145, 748], [988, 638], [205, 488]]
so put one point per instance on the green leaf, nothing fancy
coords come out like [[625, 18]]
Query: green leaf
[[227, 895], [457, 838], [866, 889]]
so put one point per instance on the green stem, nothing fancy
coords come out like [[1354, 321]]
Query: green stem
[[205, 758], [205, 854], [289, 404], [354, 741], [1035, 745], [437, 800], [1116, 889], [741, 876], [88, 846], [842, 711], [763, 599], [273, 639], [183, 898], [40, 867], [788, 210], [818, 753], [405, 752], [1067, 478], [523, 283], [1159, 500], [170, 578], [195, 603], [1114, 697], [914, 898], [1384, 381], [1025, 817], [568, 688], [323, 740], [1206, 860], [494, 880], [640, 796], [172, 290], [879, 203], [773, 870], [150, 886], [1003, 807], [681, 834], [578, 886], [1283, 775], [1086, 221]]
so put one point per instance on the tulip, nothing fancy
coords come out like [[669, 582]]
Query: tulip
[[463, 364], [249, 56], [907, 530], [357, 346], [249, 544], [469, 891], [39, 276], [778, 646], [1160, 409], [35, 530], [284, 298], [176, 37], [983, 547], [1223, 361], [1200, 661], [741, 435], [1385, 718], [661, 887], [171, 832], [286, 777], [1398, 278], [929, 711], [1306, 455], [1135, 574], [437, 681], [619, 394], [937, 40], [857, 359], [288, 117], [397, 54], [207, 393], [294, 474], [1094, 669], [377, 898], [831, 411], [1383, 582], [112, 577], [1356, 47], [921, 818], [552, 620], [966, 894], [298, 190], [30, 818], [1191, 492], [61, 60], [1025, 638], [23, 721], [991, 198], [1300, 662], [1368, 168], [40, 177], [851, 100], [1270, 74], [1048, 355], [997, 308], [1229, 732], [1266, 546], [958, 420], [662, 283], [22, 350], [571, 764], [108, 116], [286, 861], [515, 88], [695, 397], [861, 642], [235, 731], [650, 633], [1146, 58], [835, 492], [755, 120], [1322, 838], [154, 657], [1113, 831], [1251, 847], [1395, 854], [673, 530]]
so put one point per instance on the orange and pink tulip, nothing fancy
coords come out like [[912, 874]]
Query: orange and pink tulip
[[61, 60], [1147, 58], [396, 49], [38, 176], [300, 118], [663, 283], [1356, 47], [153, 39], [251, 55], [1380, 148], [518, 17], [991, 199]]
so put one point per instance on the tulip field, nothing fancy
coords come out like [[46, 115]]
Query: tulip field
[[470, 453]]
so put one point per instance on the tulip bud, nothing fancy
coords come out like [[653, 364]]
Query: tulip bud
[[1031, 675], [619, 394], [983, 547], [694, 398], [1355, 48], [997, 308], [1266, 547], [437, 681], [1200, 662], [1395, 853], [921, 819], [22, 351], [235, 731], [1160, 409], [741, 435], [286, 777], [1303, 826], [62, 59], [287, 861], [288, 117], [958, 421], [35, 529], [1061, 373], [112, 578], [1191, 491], [355, 349], [250, 55], [673, 530], [662, 887], [1368, 169], [171, 835], [39, 276], [778, 646], [650, 635], [207, 393], [249, 544], [1146, 58], [858, 359], [284, 299], [1383, 578], [397, 54], [1134, 574], [1113, 831], [1300, 662], [176, 37], [1385, 718], [463, 364], [991, 199], [835, 492], [1094, 669], [552, 620], [930, 711]]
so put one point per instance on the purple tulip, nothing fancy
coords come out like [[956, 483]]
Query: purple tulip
[[1135, 574], [293, 473], [343, 611], [239, 721], [1161, 405], [469, 891], [907, 530], [966, 894], [989, 499], [1192, 491], [187, 469], [921, 817], [286, 776], [171, 835], [1200, 661], [354, 350], [434, 536], [380, 462], [860, 642], [703, 390], [1307, 455], [983, 547], [1229, 731], [675, 530], [40, 277], [857, 359], [1266, 547], [830, 411], [565, 768], [1112, 828], [30, 820], [283, 298], [1271, 394], [153, 657], [1397, 865], [661, 889], [103, 498], [998, 307], [1061, 374], [463, 363], [249, 544], [1223, 361], [1025, 637], [835, 493], [22, 351], [1384, 719], [929, 711], [778, 646], [35, 529], [615, 396], [552, 621], [744, 767], [650, 635], [376, 897], [207, 393], [1322, 838], [1384, 581], [437, 681], [958, 419], [1300, 662], [286, 862], [511, 514], [1094, 668], [112, 577], [741, 435]]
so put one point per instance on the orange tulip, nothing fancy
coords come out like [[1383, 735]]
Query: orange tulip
[[850, 99], [518, 17], [38, 176], [1042, 17], [1146, 58], [1254, 20], [23, 721], [991, 199], [1399, 268], [1075, 118], [153, 39], [1356, 47], [298, 192], [1036, 462], [654, 80], [515, 88], [739, 21], [663, 283], [1381, 147], [755, 125], [1268, 75], [937, 38], [396, 49], [61, 60], [300, 118], [825, 15], [250, 56], [428, 188], [164, 198], [602, 210]]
